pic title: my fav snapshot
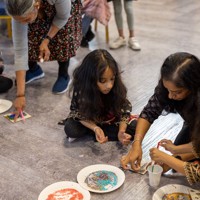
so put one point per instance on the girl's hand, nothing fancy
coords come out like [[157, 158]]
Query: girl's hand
[[100, 137], [124, 138], [44, 50], [168, 145], [19, 104], [133, 157], [157, 155]]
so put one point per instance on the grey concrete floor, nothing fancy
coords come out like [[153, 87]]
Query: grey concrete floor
[[36, 153]]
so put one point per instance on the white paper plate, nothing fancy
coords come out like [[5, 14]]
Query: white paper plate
[[168, 189], [5, 105], [85, 172], [64, 185]]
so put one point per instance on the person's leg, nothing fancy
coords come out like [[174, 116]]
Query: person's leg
[[132, 42], [1, 64], [35, 72], [88, 35], [120, 41], [117, 4], [86, 21], [74, 129], [131, 127], [128, 7], [62, 81], [111, 130], [184, 136], [5, 84]]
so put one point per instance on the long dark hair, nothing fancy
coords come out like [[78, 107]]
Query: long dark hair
[[92, 103], [183, 70]]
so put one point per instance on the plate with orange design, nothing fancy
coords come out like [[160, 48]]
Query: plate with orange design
[[64, 190]]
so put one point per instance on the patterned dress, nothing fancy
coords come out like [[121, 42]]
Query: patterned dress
[[65, 43], [192, 171], [108, 118]]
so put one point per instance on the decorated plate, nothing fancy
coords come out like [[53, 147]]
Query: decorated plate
[[101, 178], [173, 191], [64, 190]]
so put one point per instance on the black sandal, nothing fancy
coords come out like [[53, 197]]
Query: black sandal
[[62, 122]]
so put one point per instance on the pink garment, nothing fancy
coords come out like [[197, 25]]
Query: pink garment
[[97, 9]]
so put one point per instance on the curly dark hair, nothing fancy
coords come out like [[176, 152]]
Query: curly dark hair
[[93, 104], [183, 70]]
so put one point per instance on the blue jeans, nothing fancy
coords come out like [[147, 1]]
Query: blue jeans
[[86, 21]]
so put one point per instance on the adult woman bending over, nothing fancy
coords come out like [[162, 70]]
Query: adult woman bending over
[[43, 30]]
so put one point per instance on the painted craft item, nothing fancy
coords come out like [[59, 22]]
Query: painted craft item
[[101, 180], [21, 117], [66, 194], [177, 196]]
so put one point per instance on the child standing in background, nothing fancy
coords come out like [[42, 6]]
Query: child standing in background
[[99, 105], [121, 41]]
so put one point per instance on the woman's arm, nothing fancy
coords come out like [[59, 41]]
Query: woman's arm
[[180, 149], [63, 9], [150, 112], [190, 169], [20, 43], [134, 155], [161, 157]]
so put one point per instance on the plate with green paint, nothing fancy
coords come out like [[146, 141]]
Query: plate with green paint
[[101, 178]]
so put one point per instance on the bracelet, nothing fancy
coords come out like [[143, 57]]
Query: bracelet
[[47, 37], [135, 141], [194, 152], [138, 135], [22, 95], [94, 129]]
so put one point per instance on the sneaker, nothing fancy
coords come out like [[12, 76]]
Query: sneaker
[[1, 65], [119, 42], [84, 42], [60, 86], [34, 75], [90, 35], [71, 139], [134, 44]]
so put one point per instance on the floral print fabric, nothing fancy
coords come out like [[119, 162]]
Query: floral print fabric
[[65, 43]]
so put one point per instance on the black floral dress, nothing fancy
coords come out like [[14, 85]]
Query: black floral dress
[[66, 41]]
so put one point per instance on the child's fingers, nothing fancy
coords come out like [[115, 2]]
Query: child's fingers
[[127, 136], [126, 141]]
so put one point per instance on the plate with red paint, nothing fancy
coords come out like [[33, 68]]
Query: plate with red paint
[[64, 190]]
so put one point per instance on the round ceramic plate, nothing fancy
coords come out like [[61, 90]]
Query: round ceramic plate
[[105, 178], [168, 189], [5, 105], [64, 190]]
